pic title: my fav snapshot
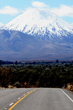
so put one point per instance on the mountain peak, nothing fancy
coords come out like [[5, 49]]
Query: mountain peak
[[39, 22]]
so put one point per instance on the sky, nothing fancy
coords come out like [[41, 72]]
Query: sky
[[9, 9]]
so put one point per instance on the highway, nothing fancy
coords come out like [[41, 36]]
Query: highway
[[36, 99]]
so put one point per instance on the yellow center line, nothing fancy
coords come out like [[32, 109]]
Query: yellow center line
[[21, 99]]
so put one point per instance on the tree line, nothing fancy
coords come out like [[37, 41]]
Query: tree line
[[52, 75]]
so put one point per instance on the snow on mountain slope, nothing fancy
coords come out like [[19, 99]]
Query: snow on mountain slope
[[40, 22]]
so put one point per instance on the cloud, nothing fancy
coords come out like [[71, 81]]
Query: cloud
[[63, 10], [1, 24], [38, 4], [9, 10]]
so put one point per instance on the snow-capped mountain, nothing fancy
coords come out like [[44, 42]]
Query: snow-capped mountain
[[37, 34], [40, 22]]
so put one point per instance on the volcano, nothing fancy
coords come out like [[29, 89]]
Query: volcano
[[37, 34]]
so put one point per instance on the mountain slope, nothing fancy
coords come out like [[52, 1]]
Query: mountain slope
[[15, 45]]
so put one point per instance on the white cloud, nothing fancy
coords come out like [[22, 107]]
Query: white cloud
[[63, 10], [38, 4], [9, 10], [1, 24]]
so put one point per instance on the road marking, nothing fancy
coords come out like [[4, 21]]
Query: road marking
[[11, 104], [21, 99], [67, 96], [18, 98]]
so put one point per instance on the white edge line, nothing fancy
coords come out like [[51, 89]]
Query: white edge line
[[67, 95]]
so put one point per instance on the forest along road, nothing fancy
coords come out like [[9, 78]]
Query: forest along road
[[36, 99]]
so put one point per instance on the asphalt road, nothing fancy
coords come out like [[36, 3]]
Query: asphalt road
[[36, 99]]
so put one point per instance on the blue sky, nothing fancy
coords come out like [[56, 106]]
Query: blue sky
[[9, 9]]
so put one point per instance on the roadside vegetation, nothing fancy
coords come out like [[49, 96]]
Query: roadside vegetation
[[36, 74]]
